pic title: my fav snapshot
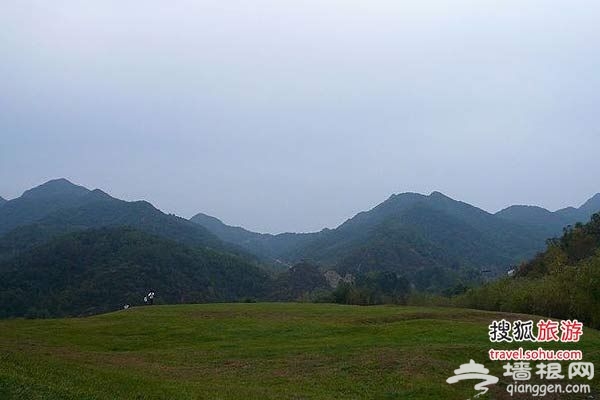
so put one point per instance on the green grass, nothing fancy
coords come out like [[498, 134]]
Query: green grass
[[254, 351]]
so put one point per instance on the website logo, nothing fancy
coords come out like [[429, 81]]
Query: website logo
[[474, 371]]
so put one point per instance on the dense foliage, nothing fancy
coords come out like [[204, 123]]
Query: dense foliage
[[381, 287], [60, 207], [434, 241], [551, 222], [267, 246], [302, 281], [562, 282], [101, 270], [66, 250]]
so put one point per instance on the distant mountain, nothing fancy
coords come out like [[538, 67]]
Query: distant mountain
[[433, 239], [551, 222], [578, 243], [560, 282], [263, 245], [414, 234], [39, 202], [99, 270], [584, 212], [2, 201], [60, 206]]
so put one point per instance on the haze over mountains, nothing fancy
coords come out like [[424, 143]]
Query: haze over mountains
[[551, 222], [67, 250], [60, 206], [414, 232], [101, 269], [61, 244]]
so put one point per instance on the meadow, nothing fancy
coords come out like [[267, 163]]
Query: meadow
[[256, 351]]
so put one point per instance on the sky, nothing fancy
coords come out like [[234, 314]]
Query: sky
[[293, 116]]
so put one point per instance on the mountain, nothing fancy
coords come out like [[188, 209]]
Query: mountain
[[263, 245], [414, 234], [577, 243], [551, 222], [40, 201], [586, 210], [102, 269], [60, 206], [2, 201], [560, 282], [434, 240]]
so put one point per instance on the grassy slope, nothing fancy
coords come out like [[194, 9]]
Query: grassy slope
[[252, 351]]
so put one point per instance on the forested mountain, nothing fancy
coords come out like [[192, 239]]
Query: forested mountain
[[578, 242], [434, 240], [412, 230], [102, 269], [262, 244], [67, 250], [61, 244], [551, 222], [561, 282], [40, 201], [59, 206]]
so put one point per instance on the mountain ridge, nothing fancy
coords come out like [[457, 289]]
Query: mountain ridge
[[552, 221], [60, 206], [431, 242], [409, 232], [99, 270]]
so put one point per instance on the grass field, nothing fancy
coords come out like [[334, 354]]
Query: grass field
[[254, 351]]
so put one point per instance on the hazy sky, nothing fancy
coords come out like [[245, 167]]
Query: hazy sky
[[294, 115]]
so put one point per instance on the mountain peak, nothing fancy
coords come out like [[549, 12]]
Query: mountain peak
[[58, 182], [524, 207], [100, 194], [439, 195], [405, 196], [205, 217], [55, 187], [592, 205], [526, 214]]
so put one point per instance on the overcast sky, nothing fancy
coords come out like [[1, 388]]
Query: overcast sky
[[294, 115]]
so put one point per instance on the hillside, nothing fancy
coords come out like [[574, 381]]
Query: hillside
[[561, 282], [255, 351], [59, 206], [415, 230], [409, 242], [264, 245], [578, 243], [551, 222], [40, 201], [434, 240], [101, 270]]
